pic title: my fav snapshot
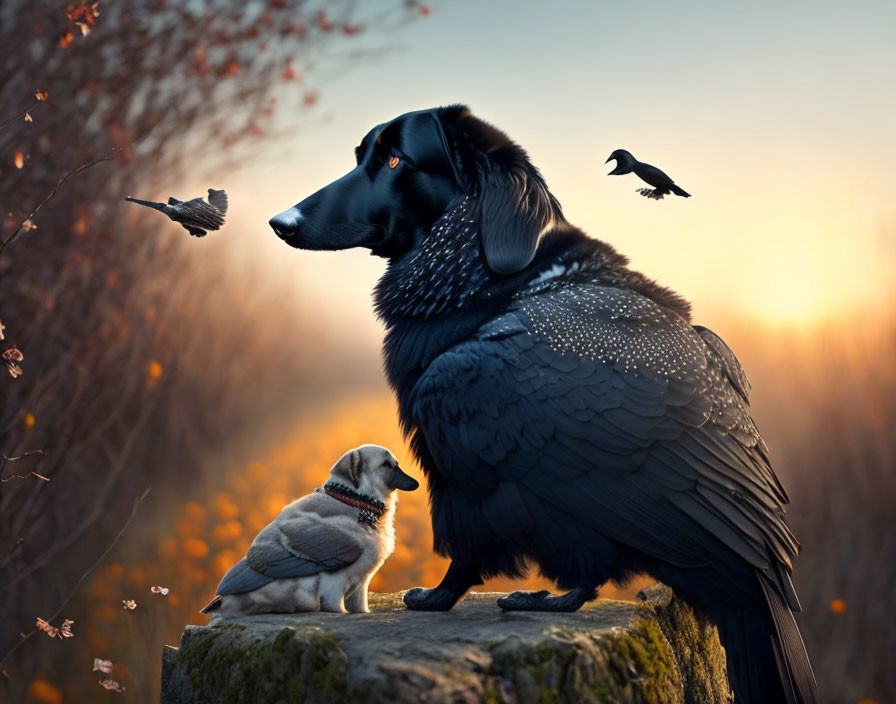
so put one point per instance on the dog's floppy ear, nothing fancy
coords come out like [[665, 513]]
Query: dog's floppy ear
[[349, 467], [515, 204], [515, 208]]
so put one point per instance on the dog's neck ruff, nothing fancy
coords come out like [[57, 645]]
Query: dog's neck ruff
[[444, 272], [371, 509]]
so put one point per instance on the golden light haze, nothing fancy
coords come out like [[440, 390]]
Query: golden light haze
[[775, 118]]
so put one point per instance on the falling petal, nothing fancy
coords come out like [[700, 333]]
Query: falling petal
[[102, 665], [111, 685], [14, 354], [19, 160]]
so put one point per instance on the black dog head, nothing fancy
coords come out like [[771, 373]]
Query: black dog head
[[410, 172]]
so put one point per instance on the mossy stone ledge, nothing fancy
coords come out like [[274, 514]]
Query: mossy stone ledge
[[656, 651]]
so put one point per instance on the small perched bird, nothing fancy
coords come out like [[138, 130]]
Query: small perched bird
[[195, 215], [321, 552], [662, 184]]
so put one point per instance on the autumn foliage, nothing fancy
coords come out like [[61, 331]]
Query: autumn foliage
[[116, 342]]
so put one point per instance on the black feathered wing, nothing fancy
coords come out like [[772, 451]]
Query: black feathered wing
[[662, 184], [616, 413], [590, 414]]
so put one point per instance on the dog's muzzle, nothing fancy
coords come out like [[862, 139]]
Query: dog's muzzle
[[286, 223]]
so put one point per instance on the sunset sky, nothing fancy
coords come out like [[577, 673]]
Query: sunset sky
[[778, 118]]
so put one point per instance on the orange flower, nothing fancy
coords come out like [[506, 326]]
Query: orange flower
[[224, 506], [193, 547], [42, 691], [153, 373], [167, 547], [224, 533], [195, 511]]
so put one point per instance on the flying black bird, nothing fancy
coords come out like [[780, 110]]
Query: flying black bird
[[662, 184], [195, 215], [566, 411]]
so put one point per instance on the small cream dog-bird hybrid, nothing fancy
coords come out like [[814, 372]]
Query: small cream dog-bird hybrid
[[321, 552]]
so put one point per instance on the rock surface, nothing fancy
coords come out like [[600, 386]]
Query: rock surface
[[657, 650]]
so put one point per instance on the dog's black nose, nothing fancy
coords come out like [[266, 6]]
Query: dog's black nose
[[286, 223]]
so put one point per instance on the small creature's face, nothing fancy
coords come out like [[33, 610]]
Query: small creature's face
[[623, 159], [404, 180], [372, 470]]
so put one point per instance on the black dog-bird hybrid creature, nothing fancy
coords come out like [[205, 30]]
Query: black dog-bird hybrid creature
[[563, 407], [195, 215], [662, 184]]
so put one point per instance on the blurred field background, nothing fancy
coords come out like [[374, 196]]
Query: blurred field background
[[227, 374]]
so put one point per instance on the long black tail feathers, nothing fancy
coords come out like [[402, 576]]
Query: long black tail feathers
[[680, 191], [767, 661]]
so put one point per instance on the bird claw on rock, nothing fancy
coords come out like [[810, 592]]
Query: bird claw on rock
[[436, 599], [524, 600], [543, 600]]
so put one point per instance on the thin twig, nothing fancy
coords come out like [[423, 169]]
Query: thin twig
[[4, 459], [20, 115], [26, 636], [40, 205]]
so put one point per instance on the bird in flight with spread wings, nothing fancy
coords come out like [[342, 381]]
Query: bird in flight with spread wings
[[196, 215], [662, 184]]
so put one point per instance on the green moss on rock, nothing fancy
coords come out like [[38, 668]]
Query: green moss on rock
[[224, 667], [655, 652], [695, 644], [633, 665]]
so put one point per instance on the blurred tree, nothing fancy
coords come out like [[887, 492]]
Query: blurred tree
[[134, 360]]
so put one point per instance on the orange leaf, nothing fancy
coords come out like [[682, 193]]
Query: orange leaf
[[41, 95]]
